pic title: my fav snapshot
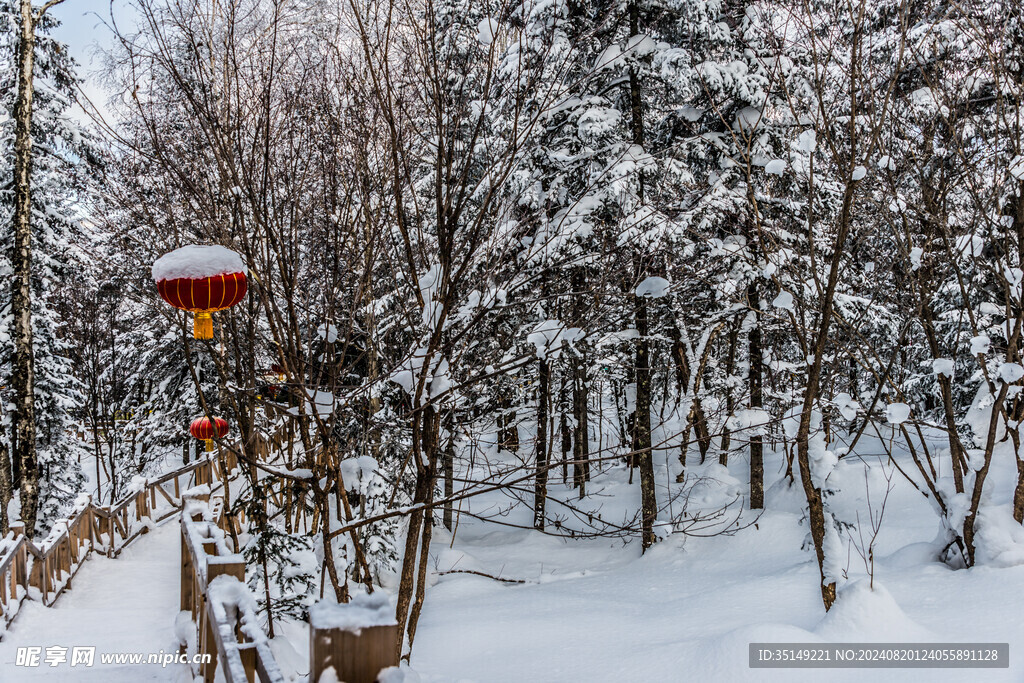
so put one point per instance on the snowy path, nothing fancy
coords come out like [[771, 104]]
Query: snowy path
[[124, 605]]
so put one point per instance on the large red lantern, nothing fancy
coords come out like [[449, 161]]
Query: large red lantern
[[202, 279], [205, 430]]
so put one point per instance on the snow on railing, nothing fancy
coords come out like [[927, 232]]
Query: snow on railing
[[217, 602], [44, 571], [13, 578]]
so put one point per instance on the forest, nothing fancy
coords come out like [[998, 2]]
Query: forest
[[618, 284]]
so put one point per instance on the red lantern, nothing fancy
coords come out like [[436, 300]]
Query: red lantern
[[201, 279], [205, 430]]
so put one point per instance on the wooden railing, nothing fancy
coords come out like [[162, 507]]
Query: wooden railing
[[13, 578], [137, 512], [213, 588], [213, 591], [43, 572]]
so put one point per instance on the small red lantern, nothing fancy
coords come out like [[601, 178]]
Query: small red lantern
[[201, 279], [205, 430]]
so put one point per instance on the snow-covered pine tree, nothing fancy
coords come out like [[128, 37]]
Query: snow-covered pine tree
[[65, 163]]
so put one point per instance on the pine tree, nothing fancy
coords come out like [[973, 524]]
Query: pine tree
[[64, 162]]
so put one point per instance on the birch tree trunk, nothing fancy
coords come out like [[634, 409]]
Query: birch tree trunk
[[23, 378]]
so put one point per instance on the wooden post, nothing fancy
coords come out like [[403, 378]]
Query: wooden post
[[91, 522], [65, 554], [22, 564], [214, 569], [187, 573], [40, 572], [142, 508], [357, 653], [3, 592], [19, 569]]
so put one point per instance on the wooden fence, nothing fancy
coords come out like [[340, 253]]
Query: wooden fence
[[213, 588], [223, 611], [43, 572]]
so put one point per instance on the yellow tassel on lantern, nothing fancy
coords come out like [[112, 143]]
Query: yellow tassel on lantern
[[202, 328], [209, 445]]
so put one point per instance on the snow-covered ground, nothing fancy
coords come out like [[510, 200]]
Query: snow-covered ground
[[123, 605], [593, 610], [596, 610]]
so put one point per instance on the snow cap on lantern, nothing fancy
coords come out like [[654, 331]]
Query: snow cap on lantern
[[201, 279], [205, 430]]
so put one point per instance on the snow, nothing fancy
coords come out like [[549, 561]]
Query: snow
[[980, 344], [358, 469], [486, 30], [748, 119], [362, 611], [846, 404], [641, 45], [653, 287], [1010, 372], [749, 422], [897, 413], [915, 258], [970, 245], [399, 674], [318, 401], [807, 142], [610, 57], [861, 613], [329, 675], [441, 380], [1017, 167], [550, 337], [775, 167], [823, 463], [784, 300], [197, 261], [979, 415], [943, 366], [327, 332], [621, 611], [859, 173], [128, 604]]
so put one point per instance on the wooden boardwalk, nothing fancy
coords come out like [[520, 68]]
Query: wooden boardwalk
[[123, 605]]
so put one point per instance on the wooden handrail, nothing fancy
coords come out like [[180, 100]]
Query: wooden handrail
[[45, 571], [227, 628], [13, 579], [213, 590]]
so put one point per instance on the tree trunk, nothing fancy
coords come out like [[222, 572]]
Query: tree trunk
[[565, 430], [448, 468], [540, 487], [581, 435], [730, 366], [23, 378], [754, 383], [642, 428], [642, 416], [426, 426], [1018, 491], [6, 490]]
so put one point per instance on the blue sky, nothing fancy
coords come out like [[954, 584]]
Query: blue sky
[[84, 32]]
